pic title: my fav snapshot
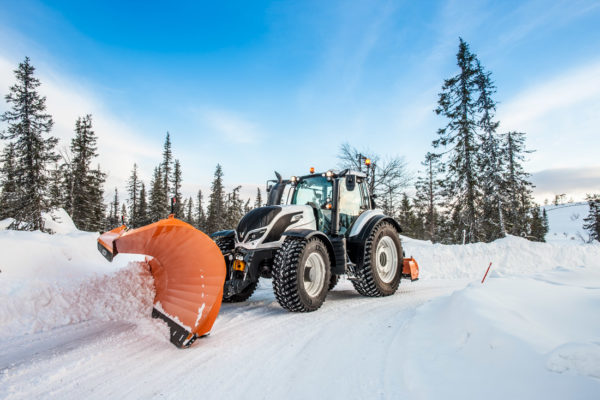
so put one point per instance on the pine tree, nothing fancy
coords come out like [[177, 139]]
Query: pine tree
[[81, 196], [215, 220], [258, 201], [9, 196], [176, 189], [518, 187], [247, 206], [167, 169], [200, 215], [28, 124], [489, 161], [457, 102], [592, 221], [133, 187], [429, 188], [157, 208], [143, 218]]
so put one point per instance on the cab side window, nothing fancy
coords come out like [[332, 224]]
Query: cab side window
[[351, 205]]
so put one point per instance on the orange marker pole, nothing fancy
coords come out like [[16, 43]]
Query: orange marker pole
[[486, 272]]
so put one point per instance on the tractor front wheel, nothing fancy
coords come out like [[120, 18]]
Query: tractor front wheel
[[301, 274]]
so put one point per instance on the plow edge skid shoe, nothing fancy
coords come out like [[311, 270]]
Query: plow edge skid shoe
[[188, 270]]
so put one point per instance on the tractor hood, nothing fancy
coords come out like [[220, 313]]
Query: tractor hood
[[257, 218], [266, 224]]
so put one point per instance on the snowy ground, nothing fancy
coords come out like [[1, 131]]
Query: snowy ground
[[74, 325]]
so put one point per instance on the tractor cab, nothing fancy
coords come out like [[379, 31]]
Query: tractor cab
[[337, 199]]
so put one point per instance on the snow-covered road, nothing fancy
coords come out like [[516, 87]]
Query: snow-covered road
[[74, 326], [256, 350]]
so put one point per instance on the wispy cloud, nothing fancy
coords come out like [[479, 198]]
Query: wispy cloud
[[234, 127], [560, 117]]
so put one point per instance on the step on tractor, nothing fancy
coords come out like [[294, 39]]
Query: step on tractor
[[327, 226]]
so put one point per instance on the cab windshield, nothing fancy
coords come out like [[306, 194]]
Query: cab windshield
[[316, 190]]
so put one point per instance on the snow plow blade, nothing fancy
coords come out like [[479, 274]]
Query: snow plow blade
[[188, 270], [410, 269]]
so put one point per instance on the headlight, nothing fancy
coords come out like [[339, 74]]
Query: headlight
[[256, 235]]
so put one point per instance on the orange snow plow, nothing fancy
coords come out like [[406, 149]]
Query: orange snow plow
[[188, 270]]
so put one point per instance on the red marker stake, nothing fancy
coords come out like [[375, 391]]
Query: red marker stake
[[486, 272]]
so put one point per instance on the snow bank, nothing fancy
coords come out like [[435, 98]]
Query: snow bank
[[538, 335], [51, 280], [509, 256]]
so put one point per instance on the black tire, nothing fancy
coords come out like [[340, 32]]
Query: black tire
[[333, 281], [368, 281], [243, 295], [288, 274], [226, 245]]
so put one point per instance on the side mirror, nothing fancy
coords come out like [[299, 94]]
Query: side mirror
[[350, 182]]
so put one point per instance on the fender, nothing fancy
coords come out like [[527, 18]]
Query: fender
[[224, 234], [356, 244], [310, 233]]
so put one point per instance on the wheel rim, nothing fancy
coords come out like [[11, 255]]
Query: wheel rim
[[386, 259], [314, 274]]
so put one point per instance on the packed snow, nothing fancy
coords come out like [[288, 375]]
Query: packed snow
[[73, 325]]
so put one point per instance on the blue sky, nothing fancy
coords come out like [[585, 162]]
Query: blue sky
[[258, 86]]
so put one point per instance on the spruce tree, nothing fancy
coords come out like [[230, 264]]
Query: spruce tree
[[113, 218], [458, 103], [247, 206], [215, 219], [592, 221], [9, 196], [143, 218], [489, 160], [97, 199], [258, 201], [133, 188], [518, 187], [234, 208], [176, 189], [429, 188], [28, 129], [189, 213], [537, 230], [200, 215], [409, 222], [157, 208], [167, 169], [81, 196]]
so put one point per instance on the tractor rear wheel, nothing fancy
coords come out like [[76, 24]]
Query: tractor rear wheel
[[301, 274], [333, 281], [380, 273], [226, 245]]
